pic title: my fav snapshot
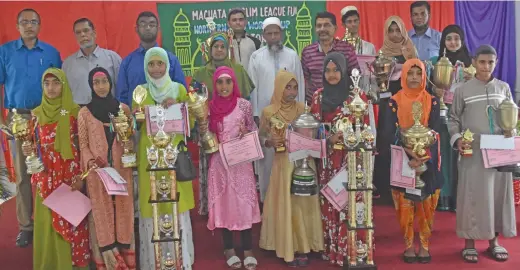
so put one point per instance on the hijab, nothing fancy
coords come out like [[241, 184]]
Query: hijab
[[461, 54], [218, 36], [288, 111], [335, 95], [220, 107], [407, 96], [162, 88], [395, 49], [102, 107], [58, 110]]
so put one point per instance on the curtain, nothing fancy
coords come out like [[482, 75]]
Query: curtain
[[491, 23]]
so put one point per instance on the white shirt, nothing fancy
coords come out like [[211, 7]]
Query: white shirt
[[263, 67], [367, 48]]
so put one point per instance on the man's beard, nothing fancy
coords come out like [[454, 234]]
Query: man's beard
[[421, 27], [88, 45], [147, 38], [278, 46]]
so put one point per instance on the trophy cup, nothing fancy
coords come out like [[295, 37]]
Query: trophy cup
[[278, 127], [442, 77], [124, 127], [354, 41], [467, 138], [361, 251], [198, 106], [418, 138], [304, 177], [382, 67], [139, 96], [169, 262], [508, 120], [23, 130]]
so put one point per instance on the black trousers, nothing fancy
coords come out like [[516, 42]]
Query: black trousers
[[245, 235]]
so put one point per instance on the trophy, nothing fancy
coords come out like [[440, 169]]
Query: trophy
[[198, 106], [418, 138], [124, 128], [354, 41], [278, 127], [23, 130], [304, 177], [442, 77], [139, 96], [508, 120], [167, 226], [471, 70], [169, 262], [467, 138], [361, 251], [382, 67]]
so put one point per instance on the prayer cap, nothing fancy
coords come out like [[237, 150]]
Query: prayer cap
[[347, 9], [485, 49], [271, 21]]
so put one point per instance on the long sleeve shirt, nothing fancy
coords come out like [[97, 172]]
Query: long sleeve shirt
[[428, 44]]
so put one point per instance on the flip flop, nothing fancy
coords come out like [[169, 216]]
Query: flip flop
[[250, 263], [495, 251], [470, 252]]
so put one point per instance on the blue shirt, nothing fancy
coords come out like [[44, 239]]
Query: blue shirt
[[21, 72], [131, 74], [428, 44]]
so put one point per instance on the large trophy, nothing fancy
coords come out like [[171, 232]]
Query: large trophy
[[198, 106], [418, 138], [382, 68], [124, 127], [358, 141], [23, 130], [442, 78], [161, 156], [507, 121], [354, 41], [304, 177], [139, 95], [278, 127]]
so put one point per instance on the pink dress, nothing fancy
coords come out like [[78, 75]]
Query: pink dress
[[232, 198]]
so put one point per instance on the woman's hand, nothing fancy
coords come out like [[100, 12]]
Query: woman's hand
[[91, 164], [243, 131], [415, 163], [274, 141], [203, 129], [439, 92], [129, 145], [77, 183], [27, 149], [336, 138], [168, 102]]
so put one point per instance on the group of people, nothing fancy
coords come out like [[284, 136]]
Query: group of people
[[246, 90]]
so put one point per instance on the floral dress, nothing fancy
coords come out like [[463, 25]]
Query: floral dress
[[58, 171], [334, 226]]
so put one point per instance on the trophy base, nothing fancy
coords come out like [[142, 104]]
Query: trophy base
[[280, 149], [159, 169], [34, 165], [165, 200], [467, 153], [129, 160], [139, 116], [359, 227], [339, 147], [164, 239], [359, 266]]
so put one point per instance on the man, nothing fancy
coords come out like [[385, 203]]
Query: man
[[263, 67], [314, 54], [132, 73], [350, 19], [425, 39], [90, 55], [22, 63], [485, 206], [243, 44]]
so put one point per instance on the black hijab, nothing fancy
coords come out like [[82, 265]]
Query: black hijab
[[461, 54], [102, 107], [335, 95]]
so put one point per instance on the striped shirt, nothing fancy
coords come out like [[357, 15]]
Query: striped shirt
[[312, 64]]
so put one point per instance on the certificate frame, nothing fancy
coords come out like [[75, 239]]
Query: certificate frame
[[250, 139]]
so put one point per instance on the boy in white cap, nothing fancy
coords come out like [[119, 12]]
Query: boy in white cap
[[350, 20]]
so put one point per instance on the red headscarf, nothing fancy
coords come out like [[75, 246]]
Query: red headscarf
[[220, 107]]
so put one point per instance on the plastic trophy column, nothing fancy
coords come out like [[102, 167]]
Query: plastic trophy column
[[166, 230], [358, 141]]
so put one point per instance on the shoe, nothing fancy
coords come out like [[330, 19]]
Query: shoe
[[24, 239]]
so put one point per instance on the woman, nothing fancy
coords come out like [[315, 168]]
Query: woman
[[399, 46], [111, 221], [290, 224], [232, 196], [161, 90], [216, 55], [453, 42], [327, 107], [410, 207], [57, 243]]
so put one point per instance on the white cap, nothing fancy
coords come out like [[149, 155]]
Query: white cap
[[347, 9], [271, 21]]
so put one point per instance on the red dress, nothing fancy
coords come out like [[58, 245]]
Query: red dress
[[58, 171], [334, 227]]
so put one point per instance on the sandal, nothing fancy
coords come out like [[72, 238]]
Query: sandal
[[426, 259], [233, 261], [495, 253], [303, 260], [250, 263], [467, 253], [409, 259], [293, 264]]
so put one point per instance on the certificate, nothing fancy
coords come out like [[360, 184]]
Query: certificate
[[238, 151], [176, 119], [365, 63], [401, 175], [75, 209], [315, 147], [335, 191], [495, 158], [113, 181]]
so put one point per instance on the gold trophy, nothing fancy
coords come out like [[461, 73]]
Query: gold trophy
[[198, 106], [23, 130], [354, 41], [442, 78], [124, 128], [139, 96], [382, 67], [467, 138], [508, 121], [418, 138], [278, 127]]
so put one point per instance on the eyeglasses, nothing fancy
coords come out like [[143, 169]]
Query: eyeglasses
[[27, 22], [147, 25]]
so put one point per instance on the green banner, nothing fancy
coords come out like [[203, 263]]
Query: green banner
[[184, 24]]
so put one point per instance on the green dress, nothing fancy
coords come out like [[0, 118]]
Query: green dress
[[186, 201]]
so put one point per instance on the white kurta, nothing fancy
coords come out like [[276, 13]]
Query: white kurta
[[264, 64]]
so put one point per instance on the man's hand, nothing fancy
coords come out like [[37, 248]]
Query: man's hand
[[462, 145]]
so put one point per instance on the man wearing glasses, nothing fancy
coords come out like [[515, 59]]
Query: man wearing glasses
[[22, 63], [131, 72]]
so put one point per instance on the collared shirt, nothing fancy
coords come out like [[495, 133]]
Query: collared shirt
[[21, 71], [427, 45], [131, 74], [366, 48], [242, 50], [77, 67], [312, 64]]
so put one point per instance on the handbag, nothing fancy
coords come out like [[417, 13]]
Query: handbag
[[184, 165]]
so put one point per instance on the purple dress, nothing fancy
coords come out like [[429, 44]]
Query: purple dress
[[232, 197]]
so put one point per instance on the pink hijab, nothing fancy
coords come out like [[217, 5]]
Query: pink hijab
[[220, 107]]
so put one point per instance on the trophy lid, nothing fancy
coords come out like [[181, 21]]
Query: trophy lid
[[444, 61], [306, 120]]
